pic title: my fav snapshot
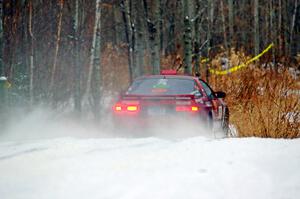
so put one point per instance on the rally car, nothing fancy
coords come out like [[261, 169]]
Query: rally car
[[153, 98]]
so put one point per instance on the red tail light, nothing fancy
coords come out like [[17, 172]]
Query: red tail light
[[195, 108], [118, 108], [168, 72], [125, 108], [132, 108], [187, 108]]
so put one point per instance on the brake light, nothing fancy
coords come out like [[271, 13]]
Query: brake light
[[118, 108], [132, 108], [195, 108], [187, 108], [168, 72], [125, 108]]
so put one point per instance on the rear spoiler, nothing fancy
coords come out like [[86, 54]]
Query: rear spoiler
[[157, 97]]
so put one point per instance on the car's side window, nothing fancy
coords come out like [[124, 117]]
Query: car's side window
[[207, 90], [197, 92]]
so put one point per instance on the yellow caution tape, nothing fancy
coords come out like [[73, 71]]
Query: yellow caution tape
[[236, 68], [204, 60]]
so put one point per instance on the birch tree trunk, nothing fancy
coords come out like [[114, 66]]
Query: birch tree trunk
[[94, 72], [187, 38], [256, 27], [1, 39], [77, 67], [57, 46], [31, 57]]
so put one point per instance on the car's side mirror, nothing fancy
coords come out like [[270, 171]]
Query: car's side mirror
[[220, 94]]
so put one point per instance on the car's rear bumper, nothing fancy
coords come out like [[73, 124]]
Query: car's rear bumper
[[137, 121]]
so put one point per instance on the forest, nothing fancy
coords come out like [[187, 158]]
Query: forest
[[74, 53]]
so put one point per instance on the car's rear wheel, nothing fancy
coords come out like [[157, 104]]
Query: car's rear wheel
[[225, 123], [210, 121]]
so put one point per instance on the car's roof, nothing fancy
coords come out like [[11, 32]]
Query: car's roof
[[167, 77]]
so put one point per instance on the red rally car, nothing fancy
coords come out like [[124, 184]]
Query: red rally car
[[155, 97]]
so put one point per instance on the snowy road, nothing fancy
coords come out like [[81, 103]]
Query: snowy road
[[150, 168]]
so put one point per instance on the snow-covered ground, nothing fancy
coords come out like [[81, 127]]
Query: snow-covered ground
[[161, 168]]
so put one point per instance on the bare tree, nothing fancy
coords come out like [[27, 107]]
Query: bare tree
[[42, 42], [1, 39], [129, 29], [286, 27], [256, 27], [224, 26], [292, 30], [76, 63], [170, 27], [210, 16], [187, 38], [7, 20], [31, 56], [231, 20], [197, 21], [272, 29], [279, 27], [94, 72], [154, 34], [140, 39], [58, 39]]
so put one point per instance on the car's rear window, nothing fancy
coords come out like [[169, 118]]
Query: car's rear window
[[162, 86]]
